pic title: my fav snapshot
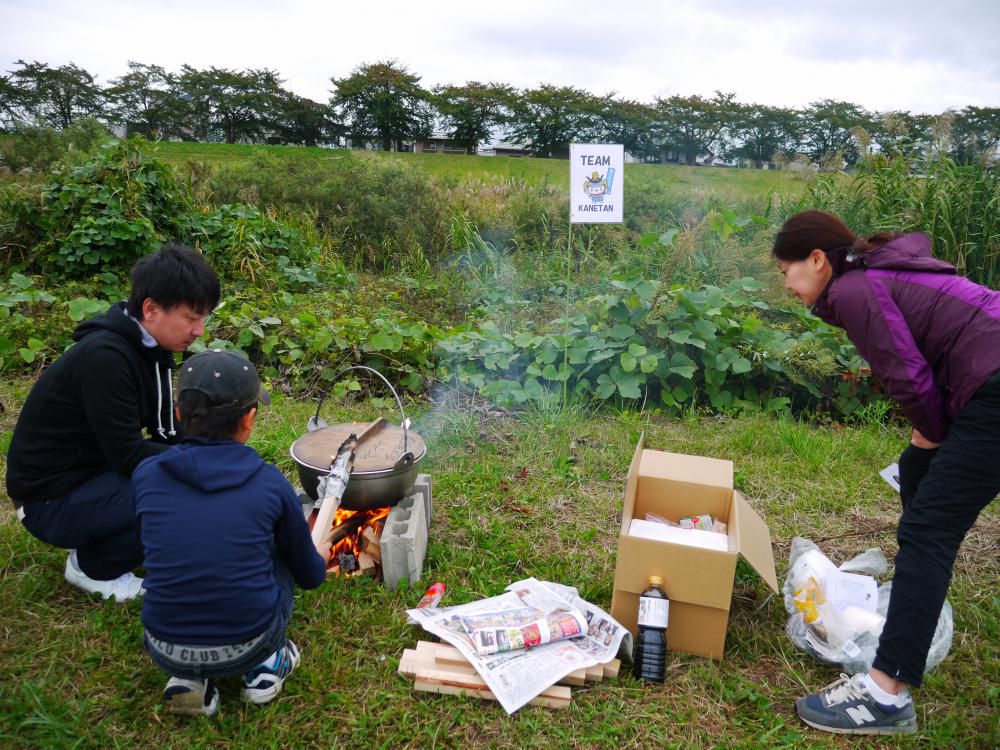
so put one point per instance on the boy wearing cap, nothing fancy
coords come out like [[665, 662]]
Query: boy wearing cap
[[224, 538]]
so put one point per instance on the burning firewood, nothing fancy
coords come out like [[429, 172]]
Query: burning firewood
[[329, 500], [371, 543], [366, 565]]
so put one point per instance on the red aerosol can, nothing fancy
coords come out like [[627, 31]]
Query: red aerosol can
[[434, 595]]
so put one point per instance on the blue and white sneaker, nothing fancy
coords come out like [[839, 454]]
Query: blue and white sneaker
[[262, 683], [847, 707], [191, 697]]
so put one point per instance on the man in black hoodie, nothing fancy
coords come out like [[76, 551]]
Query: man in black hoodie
[[80, 433]]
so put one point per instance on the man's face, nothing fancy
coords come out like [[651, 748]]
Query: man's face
[[174, 329]]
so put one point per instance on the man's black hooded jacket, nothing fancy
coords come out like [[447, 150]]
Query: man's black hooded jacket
[[86, 413]]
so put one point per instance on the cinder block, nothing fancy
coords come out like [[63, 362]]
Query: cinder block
[[404, 541], [423, 486]]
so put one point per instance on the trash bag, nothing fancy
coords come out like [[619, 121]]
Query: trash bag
[[846, 636]]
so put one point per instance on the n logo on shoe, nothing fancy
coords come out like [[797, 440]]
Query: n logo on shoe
[[860, 714]]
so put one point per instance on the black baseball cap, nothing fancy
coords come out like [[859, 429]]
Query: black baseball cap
[[227, 379]]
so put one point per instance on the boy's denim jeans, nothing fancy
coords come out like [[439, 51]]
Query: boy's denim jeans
[[195, 662]]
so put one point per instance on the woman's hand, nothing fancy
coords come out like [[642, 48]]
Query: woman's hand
[[921, 442]]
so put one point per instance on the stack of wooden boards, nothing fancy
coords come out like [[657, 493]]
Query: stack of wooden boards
[[441, 668]]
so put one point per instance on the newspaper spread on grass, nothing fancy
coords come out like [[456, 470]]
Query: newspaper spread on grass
[[570, 634]]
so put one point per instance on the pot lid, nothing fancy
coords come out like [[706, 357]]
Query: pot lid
[[379, 450]]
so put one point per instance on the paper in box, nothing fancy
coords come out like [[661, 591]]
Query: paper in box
[[698, 581]]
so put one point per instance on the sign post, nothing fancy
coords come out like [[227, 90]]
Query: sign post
[[596, 190]]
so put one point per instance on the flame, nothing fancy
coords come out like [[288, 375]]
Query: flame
[[353, 542]]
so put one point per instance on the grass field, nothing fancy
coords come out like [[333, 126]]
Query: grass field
[[726, 185], [537, 493], [509, 503]]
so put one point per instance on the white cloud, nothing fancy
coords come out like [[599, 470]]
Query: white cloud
[[915, 55]]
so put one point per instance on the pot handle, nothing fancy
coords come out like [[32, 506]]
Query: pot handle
[[315, 422]]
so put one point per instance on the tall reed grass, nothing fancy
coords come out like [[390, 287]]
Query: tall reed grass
[[957, 205]]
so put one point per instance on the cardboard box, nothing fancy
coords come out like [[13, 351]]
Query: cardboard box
[[698, 581]]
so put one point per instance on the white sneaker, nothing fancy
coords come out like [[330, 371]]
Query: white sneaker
[[123, 588], [191, 697]]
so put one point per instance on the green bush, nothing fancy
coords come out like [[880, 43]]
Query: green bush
[[250, 247], [672, 348], [375, 211], [38, 147], [101, 215]]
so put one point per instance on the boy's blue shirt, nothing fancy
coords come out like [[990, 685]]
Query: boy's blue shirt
[[210, 514]]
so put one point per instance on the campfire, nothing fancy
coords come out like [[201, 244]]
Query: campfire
[[356, 541]]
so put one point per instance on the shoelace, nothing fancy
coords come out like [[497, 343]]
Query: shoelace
[[844, 689]]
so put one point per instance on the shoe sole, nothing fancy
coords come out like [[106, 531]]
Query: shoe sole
[[900, 729], [191, 703], [260, 697]]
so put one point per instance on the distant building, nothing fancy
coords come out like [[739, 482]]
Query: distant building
[[504, 148], [438, 143]]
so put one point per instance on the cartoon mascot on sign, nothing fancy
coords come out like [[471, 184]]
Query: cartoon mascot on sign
[[596, 186]]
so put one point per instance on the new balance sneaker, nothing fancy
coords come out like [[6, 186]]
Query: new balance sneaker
[[191, 697], [848, 707], [123, 588], [262, 683]]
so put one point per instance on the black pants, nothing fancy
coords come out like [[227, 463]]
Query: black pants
[[943, 491], [97, 519]]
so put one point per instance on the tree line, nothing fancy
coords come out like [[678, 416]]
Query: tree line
[[384, 105]]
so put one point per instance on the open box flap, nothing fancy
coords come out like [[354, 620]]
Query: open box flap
[[628, 506], [754, 541], [693, 470]]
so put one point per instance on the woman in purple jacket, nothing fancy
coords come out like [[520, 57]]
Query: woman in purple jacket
[[933, 339]]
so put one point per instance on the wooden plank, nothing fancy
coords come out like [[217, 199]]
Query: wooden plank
[[595, 673], [444, 653], [441, 681], [413, 662], [408, 666], [612, 668]]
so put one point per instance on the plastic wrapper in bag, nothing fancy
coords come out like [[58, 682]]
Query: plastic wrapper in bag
[[845, 637]]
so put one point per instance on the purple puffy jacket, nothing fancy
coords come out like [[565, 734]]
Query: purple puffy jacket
[[931, 337]]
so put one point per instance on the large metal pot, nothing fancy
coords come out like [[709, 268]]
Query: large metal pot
[[386, 463]]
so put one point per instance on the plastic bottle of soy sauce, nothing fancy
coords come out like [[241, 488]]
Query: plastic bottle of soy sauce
[[651, 645]]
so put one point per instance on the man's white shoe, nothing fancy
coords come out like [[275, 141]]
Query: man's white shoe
[[123, 588]]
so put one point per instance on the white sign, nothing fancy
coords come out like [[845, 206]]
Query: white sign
[[596, 194]]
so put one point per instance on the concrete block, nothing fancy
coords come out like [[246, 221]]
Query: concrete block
[[423, 486], [404, 541]]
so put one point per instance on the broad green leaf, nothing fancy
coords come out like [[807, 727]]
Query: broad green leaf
[[741, 365], [648, 363], [636, 350], [621, 331], [646, 290], [628, 362], [667, 238], [628, 386], [382, 341]]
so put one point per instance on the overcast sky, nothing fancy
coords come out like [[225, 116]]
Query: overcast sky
[[917, 55]]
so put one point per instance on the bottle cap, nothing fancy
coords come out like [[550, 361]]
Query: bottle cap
[[655, 581]]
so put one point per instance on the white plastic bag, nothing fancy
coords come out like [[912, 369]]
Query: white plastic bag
[[847, 637]]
